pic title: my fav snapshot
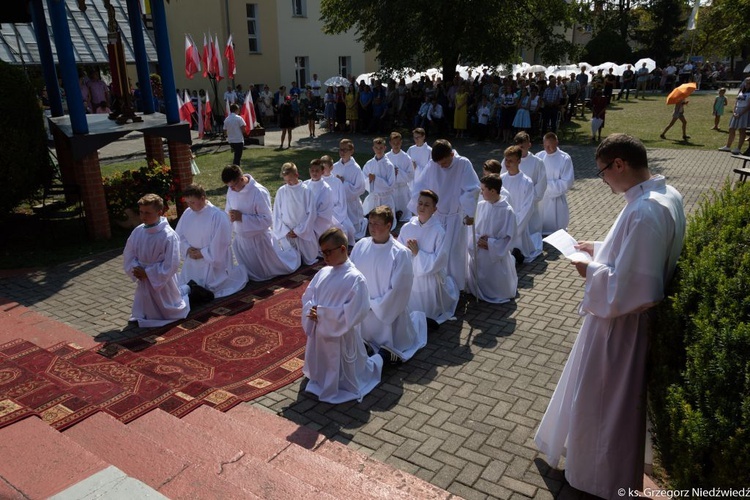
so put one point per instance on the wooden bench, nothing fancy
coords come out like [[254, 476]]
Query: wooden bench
[[730, 84], [743, 172], [744, 159]]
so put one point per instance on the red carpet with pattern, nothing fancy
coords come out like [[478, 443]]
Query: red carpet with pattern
[[238, 349]]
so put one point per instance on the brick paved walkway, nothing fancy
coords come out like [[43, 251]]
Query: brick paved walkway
[[463, 412]]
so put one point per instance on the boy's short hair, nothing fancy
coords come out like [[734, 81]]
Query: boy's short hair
[[316, 163], [233, 108], [722, 89], [152, 199], [493, 182], [430, 194], [346, 144], [441, 149], [384, 212], [230, 173], [419, 131], [493, 166], [335, 235], [326, 160], [521, 137], [194, 191], [624, 146], [378, 140], [289, 168], [395, 135], [550, 136], [513, 151]]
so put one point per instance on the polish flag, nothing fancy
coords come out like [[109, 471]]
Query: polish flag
[[200, 116], [226, 108], [229, 54], [248, 112], [207, 50], [189, 108], [207, 114], [217, 68], [184, 113], [192, 60]]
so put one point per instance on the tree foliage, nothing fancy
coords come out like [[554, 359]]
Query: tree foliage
[[24, 160], [661, 25], [423, 33], [722, 28]]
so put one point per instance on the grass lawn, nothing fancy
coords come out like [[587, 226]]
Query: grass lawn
[[647, 118], [25, 242]]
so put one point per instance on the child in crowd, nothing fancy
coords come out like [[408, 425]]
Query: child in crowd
[[249, 209], [404, 177], [380, 177], [294, 215], [350, 174], [322, 200], [339, 198], [420, 152], [152, 258], [333, 308], [719, 103], [678, 114], [492, 273], [206, 248], [521, 197], [386, 265], [433, 292]]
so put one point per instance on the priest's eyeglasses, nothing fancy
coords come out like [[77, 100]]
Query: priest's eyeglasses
[[600, 173]]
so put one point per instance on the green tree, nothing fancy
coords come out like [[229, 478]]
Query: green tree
[[721, 28], [661, 27], [422, 33], [24, 159]]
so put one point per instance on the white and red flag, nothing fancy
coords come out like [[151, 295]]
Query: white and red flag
[[207, 50], [184, 114], [207, 114], [217, 68], [189, 108], [200, 116], [229, 54], [192, 59], [248, 112]]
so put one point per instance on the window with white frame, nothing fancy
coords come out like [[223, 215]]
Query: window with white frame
[[345, 66], [301, 64], [299, 8], [253, 36]]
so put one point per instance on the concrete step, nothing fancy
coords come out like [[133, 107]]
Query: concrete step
[[112, 484], [254, 472], [40, 452], [336, 452], [20, 322], [127, 449]]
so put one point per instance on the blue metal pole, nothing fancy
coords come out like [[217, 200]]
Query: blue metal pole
[[46, 59], [66, 58], [165, 60], [141, 57]]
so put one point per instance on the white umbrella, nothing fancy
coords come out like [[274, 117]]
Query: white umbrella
[[747, 69], [366, 77], [650, 64], [537, 68], [336, 81], [582, 64]]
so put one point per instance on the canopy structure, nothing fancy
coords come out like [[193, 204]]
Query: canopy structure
[[88, 33]]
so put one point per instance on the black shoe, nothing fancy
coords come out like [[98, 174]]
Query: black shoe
[[389, 357], [368, 348], [198, 294], [399, 213], [432, 325], [516, 253]]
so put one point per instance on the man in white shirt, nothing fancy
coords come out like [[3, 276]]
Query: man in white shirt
[[234, 126], [230, 96], [435, 117], [597, 415]]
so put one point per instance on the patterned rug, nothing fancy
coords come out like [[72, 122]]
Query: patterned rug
[[238, 349]]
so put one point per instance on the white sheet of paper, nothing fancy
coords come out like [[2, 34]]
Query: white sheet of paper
[[565, 243]]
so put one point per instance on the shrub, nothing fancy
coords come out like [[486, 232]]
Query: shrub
[[699, 383], [24, 159], [124, 189]]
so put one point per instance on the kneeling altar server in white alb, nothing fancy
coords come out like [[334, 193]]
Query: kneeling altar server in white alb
[[333, 307], [206, 246], [433, 292], [386, 265]]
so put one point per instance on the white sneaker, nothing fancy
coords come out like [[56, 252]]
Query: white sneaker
[[724, 148], [736, 152]]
